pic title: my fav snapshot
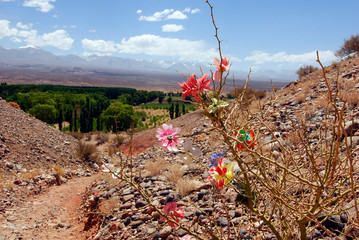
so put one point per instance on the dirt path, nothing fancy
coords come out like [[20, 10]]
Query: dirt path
[[50, 215]]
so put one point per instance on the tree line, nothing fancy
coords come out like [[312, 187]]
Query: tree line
[[85, 109]]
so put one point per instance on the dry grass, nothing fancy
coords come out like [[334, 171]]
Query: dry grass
[[101, 138], [175, 172], [186, 186], [155, 168], [87, 152], [30, 175], [58, 170], [77, 135]]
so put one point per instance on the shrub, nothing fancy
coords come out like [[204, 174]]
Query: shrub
[[101, 138], [87, 152], [349, 47], [305, 70]]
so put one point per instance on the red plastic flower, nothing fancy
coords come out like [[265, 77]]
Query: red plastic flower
[[221, 174], [194, 86], [172, 212], [247, 137], [221, 67]]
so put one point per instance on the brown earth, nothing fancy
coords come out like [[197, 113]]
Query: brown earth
[[27, 144]]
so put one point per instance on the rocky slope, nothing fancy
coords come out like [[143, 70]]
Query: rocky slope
[[114, 210], [29, 150], [301, 100]]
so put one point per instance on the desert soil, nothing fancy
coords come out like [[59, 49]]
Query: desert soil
[[53, 214]]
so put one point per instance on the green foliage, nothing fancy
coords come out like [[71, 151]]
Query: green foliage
[[44, 112], [118, 116], [349, 47]]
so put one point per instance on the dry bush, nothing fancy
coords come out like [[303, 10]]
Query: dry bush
[[350, 46], [101, 138], [186, 186], [87, 152], [112, 150], [15, 105], [305, 70], [352, 98], [31, 174], [299, 97], [77, 135], [175, 172], [119, 139], [155, 168], [58, 170]]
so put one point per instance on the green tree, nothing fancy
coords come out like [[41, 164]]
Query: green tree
[[61, 116], [172, 110], [177, 110], [118, 116], [44, 112]]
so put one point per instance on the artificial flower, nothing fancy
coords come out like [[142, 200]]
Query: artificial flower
[[222, 67], [168, 137], [189, 148], [216, 105], [172, 212], [247, 137], [186, 237], [214, 159], [221, 174], [194, 86]]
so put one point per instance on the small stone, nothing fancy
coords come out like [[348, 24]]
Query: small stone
[[136, 224], [126, 206], [140, 203], [222, 221], [165, 232]]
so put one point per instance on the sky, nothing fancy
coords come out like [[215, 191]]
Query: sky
[[279, 35]]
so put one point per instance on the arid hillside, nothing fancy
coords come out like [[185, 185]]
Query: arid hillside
[[30, 149]]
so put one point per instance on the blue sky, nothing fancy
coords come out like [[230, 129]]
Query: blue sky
[[278, 35]]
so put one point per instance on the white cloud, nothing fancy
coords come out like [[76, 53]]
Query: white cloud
[[24, 26], [7, 0], [139, 11], [58, 39], [87, 54], [153, 45], [260, 57], [99, 45], [165, 14], [92, 30], [194, 11], [16, 40], [157, 16], [194, 51], [172, 28], [5, 30], [177, 15], [40, 5]]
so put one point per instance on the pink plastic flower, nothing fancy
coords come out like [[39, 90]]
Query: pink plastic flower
[[186, 237], [221, 67], [221, 174], [167, 136], [172, 212], [194, 86]]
